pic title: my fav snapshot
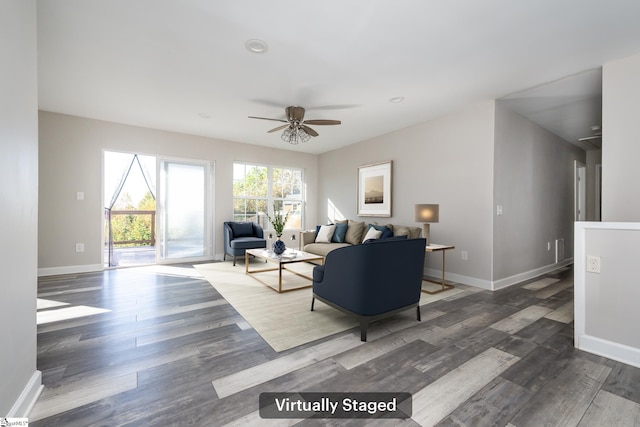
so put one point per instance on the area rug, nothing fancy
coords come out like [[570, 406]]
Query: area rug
[[284, 320]]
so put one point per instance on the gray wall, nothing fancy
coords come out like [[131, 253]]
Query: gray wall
[[18, 204], [71, 150], [534, 172], [469, 162], [448, 161], [621, 140]]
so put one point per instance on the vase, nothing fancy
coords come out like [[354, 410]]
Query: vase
[[278, 247]]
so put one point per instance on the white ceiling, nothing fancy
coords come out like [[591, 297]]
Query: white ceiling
[[164, 64]]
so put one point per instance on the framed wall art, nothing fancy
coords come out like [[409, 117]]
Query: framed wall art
[[374, 189]]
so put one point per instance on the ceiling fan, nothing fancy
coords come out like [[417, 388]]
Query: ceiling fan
[[597, 134], [295, 127]]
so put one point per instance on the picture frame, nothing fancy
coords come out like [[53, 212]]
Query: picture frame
[[374, 189]]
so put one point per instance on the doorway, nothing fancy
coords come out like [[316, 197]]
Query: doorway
[[580, 191], [156, 210], [185, 209]]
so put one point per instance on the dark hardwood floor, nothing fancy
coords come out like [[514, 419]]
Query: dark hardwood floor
[[159, 346]]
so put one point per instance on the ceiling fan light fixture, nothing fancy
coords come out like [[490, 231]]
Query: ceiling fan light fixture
[[295, 135]]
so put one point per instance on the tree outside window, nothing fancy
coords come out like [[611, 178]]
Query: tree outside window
[[258, 190]]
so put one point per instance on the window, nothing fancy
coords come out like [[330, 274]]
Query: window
[[258, 189]]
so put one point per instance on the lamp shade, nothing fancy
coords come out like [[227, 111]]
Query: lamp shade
[[427, 213]]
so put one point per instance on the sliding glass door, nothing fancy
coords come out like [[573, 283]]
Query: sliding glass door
[[185, 210]]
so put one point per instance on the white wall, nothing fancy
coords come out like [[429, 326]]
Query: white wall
[[448, 161], [621, 140], [606, 312], [534, 172], [20, 382], [606, 303], [71, 160]]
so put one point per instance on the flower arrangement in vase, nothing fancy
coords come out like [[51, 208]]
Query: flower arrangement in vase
[[278, 222]]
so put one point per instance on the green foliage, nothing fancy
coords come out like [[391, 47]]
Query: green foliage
[[278, 221], [133, 227]]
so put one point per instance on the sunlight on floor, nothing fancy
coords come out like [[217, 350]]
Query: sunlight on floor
[[67, 313], [170, 270], [47, 303]]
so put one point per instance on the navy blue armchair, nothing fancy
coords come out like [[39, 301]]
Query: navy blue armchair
[[239, 236], [372, 280]]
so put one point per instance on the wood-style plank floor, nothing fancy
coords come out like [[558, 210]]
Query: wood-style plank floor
[[159, 346]]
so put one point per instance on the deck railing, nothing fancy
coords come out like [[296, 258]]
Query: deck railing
[[151, 241]]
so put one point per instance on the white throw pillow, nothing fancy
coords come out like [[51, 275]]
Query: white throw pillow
[[325, 233], [372, 234]]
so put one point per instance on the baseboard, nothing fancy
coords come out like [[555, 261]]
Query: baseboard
[[27, 399], [459, 278], [498, 284], [531, 274], [70, 269], [609, 349]]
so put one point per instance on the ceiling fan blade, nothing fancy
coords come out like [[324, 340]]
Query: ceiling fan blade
[[308, 130], [589, 138], [278, 128], [322, 122], [294, 113], [266, 118]]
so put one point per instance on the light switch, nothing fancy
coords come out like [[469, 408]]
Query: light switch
[[499, 210], [80, 195]]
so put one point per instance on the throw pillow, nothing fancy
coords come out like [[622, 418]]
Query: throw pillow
[[241, 229], [389, 239], [354, 232], [372, 234], [400, 230], [325, 233], [386, 231], [340, 233]]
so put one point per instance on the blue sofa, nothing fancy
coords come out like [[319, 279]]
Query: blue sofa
[[240, 236], [372, 280]]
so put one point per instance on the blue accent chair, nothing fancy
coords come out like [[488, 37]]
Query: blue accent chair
[[372, 280], [239, 236]]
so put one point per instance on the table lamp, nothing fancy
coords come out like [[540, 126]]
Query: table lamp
[[427, 214]]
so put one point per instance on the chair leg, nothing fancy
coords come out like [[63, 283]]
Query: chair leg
[[234, 260], [313, 300], [363, 330], [418, 311]]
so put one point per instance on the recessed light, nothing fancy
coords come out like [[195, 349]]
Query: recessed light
[[204, 115], [397, 99], [256, 46]]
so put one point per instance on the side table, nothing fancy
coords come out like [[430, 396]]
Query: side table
[[438, 248]]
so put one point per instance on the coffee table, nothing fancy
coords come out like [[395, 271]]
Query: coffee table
[[281, 262]]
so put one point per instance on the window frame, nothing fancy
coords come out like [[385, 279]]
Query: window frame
[[270, 199]]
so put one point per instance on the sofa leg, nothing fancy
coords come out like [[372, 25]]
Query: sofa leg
[[418, 311], [313, 300], [363, 330]]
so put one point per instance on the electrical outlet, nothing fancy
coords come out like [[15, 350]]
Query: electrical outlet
[[548, 246], [79, 247], [465, 255], [593, 264]]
